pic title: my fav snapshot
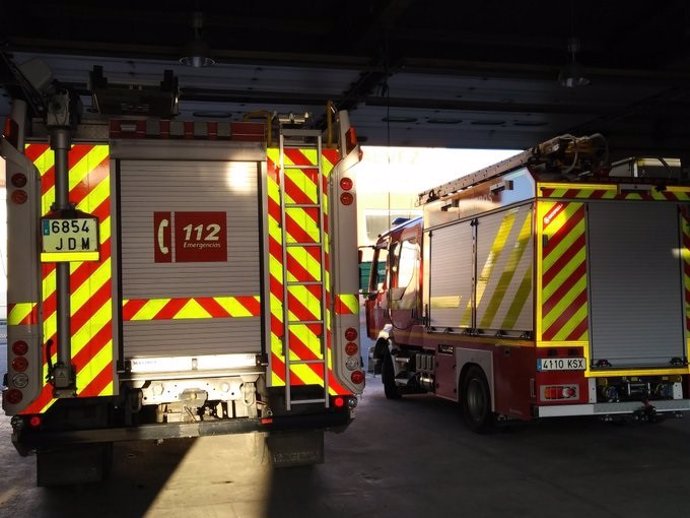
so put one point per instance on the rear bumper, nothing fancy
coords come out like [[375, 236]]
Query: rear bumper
[[603, 409], [26, 439]]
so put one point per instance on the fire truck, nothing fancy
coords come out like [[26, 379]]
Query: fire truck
[[177, 279], [554, 283]]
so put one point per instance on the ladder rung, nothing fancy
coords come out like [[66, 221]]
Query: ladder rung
[[303, 244], [305, 283], [307, 401], [304, 322], [305, 362], [287, 132], [295, 166], [302, 206]]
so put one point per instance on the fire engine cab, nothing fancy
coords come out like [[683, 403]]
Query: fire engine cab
[[550, 284]]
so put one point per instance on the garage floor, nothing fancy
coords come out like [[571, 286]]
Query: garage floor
[[399, 459]]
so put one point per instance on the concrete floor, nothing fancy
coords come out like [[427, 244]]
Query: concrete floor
[[407, 458]]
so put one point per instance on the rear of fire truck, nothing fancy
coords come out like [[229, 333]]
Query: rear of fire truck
[[550, 284], [171, 279]]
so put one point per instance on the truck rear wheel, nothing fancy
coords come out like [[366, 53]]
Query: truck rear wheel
[[476, 401], [388, 378]]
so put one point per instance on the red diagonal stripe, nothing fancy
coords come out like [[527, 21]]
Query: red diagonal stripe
[[563, 231], [99, 383], [251, 304], [170, 309], [131, 308], [73, 157], [564, 259], [33, 151], [297, 232], [579, 330], [297, 157], [212, 306], [295, 192], [91, 306], [565, 317], [94, 346], [563, 289]]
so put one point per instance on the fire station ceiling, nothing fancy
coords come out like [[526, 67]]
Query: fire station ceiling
[[453, 74]]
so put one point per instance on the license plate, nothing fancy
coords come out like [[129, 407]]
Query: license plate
[[560, 364], [70, 235]]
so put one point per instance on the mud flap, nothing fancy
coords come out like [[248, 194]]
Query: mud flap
[[80, 464], [299, 448]]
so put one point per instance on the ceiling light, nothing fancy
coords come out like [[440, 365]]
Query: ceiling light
[[573, 73], [196, 53]]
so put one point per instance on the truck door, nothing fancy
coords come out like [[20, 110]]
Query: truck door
[[376, 304], [403, 296]]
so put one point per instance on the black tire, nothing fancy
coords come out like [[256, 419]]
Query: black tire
[[476, 401], [388, 378]]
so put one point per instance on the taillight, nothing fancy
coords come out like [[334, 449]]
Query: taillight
[[20, 347], [347, 198], [351, 348], [19, 197], [20, 364], [18, 180], [351, 334], [345, 184], [13, 396], [560, 392], [35, 421], [338, 402], [357, 377]]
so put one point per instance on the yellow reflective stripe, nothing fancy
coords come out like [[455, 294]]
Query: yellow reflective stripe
[[45, 161], [305, 222], [233, 307], [491, 260], [445, 302], [18, 312], [192, 309], [564, 303], [95, 365], [304, 183], [519, 301], [92, 326], [566, 242], [149, 310], [306, 260], [51, 257], [108, 390], [350, 301], [308, 338], [308, 300], [306, 374], [507, 275], [564, 273], [96, 281]]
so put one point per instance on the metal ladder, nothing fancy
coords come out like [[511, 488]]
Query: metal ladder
[[303, 139]]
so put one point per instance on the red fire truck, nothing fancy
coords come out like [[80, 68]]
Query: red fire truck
[[176, 279], [549, 284]]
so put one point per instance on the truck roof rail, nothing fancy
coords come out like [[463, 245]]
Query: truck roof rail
[[564, 154]]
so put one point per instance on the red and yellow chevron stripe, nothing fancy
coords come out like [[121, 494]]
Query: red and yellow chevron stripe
[[611, 192], [90, 282], [563, 280], [22, 314], [303, 265], [191, 308]]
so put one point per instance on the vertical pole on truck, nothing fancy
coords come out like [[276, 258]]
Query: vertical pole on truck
[[63, 375]]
